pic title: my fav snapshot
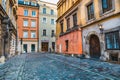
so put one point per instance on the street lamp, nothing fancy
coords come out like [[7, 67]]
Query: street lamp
[[101, 28]]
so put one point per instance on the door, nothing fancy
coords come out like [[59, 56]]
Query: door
[[45, 46], [33, 48], [94, 46], [25, 48]]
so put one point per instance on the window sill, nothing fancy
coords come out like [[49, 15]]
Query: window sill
[[91, 20], [106, 13]]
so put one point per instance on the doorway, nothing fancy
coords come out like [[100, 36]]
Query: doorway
[[94, 47], [25, 48], [33, 48], [44, 46]]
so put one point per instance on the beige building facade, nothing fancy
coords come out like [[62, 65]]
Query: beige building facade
[[47, 26], [101, 29], [8, 28]]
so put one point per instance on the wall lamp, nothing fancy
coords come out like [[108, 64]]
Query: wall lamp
[[101, 28]]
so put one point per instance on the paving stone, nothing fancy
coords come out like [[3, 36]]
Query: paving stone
[[47, 66]]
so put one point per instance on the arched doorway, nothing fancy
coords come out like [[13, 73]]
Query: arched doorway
[[94, 47]]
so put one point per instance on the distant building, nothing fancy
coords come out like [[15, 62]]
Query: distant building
[[8, 28], [69, 39], [28, 25], [47, 26]]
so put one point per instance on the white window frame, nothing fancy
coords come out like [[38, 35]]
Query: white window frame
[[53, 21], [25, 34], [33, 34], [24, 23], [33, 23]]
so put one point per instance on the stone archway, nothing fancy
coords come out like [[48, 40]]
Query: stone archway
[[94, 48]]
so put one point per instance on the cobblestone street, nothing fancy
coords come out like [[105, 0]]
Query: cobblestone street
[[47, 66]]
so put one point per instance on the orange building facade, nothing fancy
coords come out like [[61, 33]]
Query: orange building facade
[[69, 40], [28, 26]]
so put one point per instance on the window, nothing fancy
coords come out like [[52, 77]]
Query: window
[[44, 10], [33, 13], [26, 2], [33, 34], [33, 23], [25, 23], [52, 21], [68, 23], [52, 12], [90, 11], [66, 42], [112, 40], [52, 33], [75, 19], [44, 32], [61, 27], [44, 20], [106, 5], [25, 12], [25, 34], [53, 46]]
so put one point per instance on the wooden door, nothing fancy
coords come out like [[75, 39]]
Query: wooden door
[[44, 46], [94, 46]]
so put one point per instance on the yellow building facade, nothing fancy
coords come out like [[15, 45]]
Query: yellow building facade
[[8, 28], [99, 21]]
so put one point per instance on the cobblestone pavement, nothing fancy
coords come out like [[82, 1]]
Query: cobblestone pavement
[[47, 66]]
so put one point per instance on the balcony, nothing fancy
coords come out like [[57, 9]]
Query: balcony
[[30, 4]]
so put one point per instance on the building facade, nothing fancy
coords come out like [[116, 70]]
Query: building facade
[[69, 39], [99, 21], [8, 28], [101, 29], [28, 26], [47, 26]]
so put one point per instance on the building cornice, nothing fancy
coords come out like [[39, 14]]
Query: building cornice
[[74, 5]]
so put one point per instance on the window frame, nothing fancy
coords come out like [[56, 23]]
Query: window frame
[[34, 33], [61, 27], [44, 32], [27, 23], [23, 34], [112, 33], [34, 13], [53, 21], [52, 12], [43, 20], [52, 33], [89, 14], [31, 23], [108, 9], [75, 20], [27, 12], [44, 10], [68, 23]]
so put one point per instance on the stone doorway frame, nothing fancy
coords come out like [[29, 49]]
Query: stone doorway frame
[[87, 41]]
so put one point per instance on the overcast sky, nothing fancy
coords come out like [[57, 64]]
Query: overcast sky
[[51, 1]]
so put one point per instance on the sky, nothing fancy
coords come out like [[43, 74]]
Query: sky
[[51, 1]]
